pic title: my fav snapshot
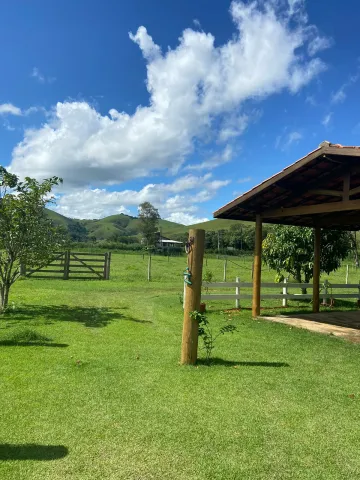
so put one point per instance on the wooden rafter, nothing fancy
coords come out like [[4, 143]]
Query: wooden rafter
[[313, 209]]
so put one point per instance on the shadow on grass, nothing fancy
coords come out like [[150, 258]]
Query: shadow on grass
[[231, 363], [88, 316], [12, 343], [32, 452]]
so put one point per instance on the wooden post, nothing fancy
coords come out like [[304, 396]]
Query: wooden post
[[257, 268], [316, 272], [105, 265], [225, 266], [108, 267], [66, 264], [193, 297], [149, 268], [237, 292], [285, 292], [347, 275]]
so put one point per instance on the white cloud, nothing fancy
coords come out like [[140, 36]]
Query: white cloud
[[339, 96], [190, 88], [285, 140], [214, 161], [310, 99], [319, 43], [181, 196], [186, 219], [9, 109], [197, 23], [41, 78], [327, 119]]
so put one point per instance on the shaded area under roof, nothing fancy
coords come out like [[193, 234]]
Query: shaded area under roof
[[321, 189]]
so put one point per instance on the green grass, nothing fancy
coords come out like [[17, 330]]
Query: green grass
[[98, 393]]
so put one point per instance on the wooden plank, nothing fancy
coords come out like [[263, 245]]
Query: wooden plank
[[50, 271], [354, 191], [90, 254], [87, 266], [313, 209], [324, 192], [342, 285], [231, 296], [80, 265], [98, 260], [47, 276], [81, 271], [85, 278], [346, 187], [221, 284]]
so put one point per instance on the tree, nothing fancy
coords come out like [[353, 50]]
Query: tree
[[290, 249], [77, 232], [27, 235], [149, 221]]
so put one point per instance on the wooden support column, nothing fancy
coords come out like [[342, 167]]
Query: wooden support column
[[190, 333], [257, 268], [316, 272]]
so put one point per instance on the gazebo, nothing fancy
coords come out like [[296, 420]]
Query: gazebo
[[321, 190]]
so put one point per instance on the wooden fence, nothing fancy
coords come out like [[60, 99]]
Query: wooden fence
[[73, 265], [326, 291]]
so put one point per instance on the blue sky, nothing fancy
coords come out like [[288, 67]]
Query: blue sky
[[184, 104]]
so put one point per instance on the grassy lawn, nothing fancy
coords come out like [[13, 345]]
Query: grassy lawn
[[107, 399]]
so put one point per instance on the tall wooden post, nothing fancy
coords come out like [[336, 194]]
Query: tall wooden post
[[257, 268], [66, 264], [316, 272], [193, 297]]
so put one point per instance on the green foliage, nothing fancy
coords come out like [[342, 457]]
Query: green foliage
[[207, 334], [208, 276], [149, 223], [290, 249], [78, 232], [27, 235]]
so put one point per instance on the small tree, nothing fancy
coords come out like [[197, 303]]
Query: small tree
[[290, 249], [27, 235], [149, 221]]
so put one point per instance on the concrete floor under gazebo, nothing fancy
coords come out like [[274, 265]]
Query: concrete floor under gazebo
[[320, 191], [340, 324]]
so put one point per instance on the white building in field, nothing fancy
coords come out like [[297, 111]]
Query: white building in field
[[164, 242]]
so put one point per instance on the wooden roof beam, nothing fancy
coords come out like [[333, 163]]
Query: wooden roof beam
[[312, 209], [323, 192]]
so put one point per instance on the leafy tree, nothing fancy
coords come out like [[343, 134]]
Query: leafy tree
[[149, 222], [77, 232], [27, 235], [290, 249]]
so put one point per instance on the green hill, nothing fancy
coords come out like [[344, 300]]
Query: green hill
[[126, 225]]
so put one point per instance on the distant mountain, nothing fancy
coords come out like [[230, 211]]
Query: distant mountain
[[121, 224], [105, 228]]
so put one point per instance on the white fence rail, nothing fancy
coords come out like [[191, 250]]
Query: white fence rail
[[326, 291]]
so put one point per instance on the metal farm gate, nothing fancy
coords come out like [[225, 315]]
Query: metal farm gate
[[73, 265]]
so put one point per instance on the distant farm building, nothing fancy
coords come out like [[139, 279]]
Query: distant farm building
[[164, 242]]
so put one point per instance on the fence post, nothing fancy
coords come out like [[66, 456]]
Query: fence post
[[66, 264], [225, 265], [359, 295], [237, 292], [105, 265], [108, 267], [325, 297], [149, 269], [285, 292], [347, 275]]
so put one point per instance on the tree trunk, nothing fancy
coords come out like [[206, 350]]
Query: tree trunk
[[299, 280], [4, 297]]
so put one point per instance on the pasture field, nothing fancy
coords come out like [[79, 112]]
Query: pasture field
[[106, 398]]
